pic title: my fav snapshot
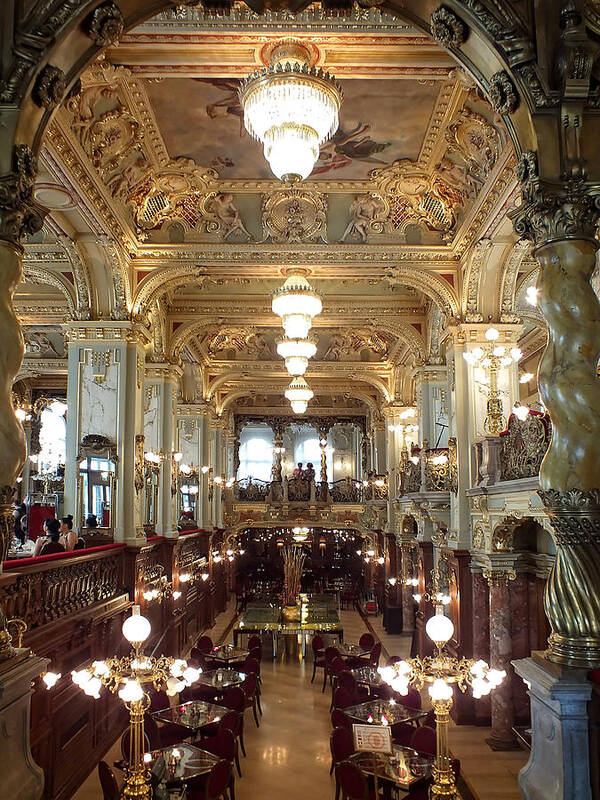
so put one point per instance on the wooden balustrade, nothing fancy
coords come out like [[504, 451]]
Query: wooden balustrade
[[74, 605]]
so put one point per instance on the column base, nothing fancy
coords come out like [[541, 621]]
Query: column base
[[574, 651], [559, 764], [22, 779], [502, 745]]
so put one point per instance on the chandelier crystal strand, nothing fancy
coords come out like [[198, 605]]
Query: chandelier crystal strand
[[292, 108]]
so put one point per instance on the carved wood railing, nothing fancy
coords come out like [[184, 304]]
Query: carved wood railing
[[48, 591], [523, 446]]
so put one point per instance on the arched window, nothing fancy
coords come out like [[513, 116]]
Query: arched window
[[307, 448], [256, 453], [53, 437]]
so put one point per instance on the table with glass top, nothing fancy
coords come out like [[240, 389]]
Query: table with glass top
[[193, 715], [221, 679], [182, 762], [383, 712], [227, 653], [315, 615], [403, 767], [367, 676]]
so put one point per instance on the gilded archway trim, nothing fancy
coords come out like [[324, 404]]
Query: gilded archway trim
[[436, 288], [161, 281], [35, 274]]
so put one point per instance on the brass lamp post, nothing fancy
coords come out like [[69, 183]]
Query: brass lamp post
[[440, 672], [128, 676]]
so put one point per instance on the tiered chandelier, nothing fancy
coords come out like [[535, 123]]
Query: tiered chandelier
[[291, 107], [296, 302]]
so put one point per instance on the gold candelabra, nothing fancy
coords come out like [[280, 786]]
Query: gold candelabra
[[433, 594], [493, 357], [128, 676], [440, 672]]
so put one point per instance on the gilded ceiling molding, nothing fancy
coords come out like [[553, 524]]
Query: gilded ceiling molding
[[120, 276], [33, 273], [472, 281], [158, 328], [80, 274], [435, 287], [434, 335], [163, 280], [508, 281]]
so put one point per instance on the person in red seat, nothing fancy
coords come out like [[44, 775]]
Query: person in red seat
[[49, 543]]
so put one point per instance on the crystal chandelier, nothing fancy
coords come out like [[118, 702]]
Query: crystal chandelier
[[299, 393], [292, 108], [296, 353], [296, 302]]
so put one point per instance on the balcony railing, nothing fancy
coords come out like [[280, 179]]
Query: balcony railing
[[293, 490], [523, 445], [428, 470]]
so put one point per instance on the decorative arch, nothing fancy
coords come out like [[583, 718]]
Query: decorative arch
[[431, 284], [120, 275], [472, 282], [408, 334], [34, 274], [160, 281], [81, 276], [508, 281]]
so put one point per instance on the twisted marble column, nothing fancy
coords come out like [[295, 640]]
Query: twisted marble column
[[561, 221], [19, 214]]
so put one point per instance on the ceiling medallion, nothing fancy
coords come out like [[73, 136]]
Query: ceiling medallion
[[292, 107], [295, 215]]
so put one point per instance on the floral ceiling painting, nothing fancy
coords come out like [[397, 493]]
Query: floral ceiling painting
[[380, 121]]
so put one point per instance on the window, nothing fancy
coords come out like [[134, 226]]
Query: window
[[256, 453], [307, 449], [53, 437]]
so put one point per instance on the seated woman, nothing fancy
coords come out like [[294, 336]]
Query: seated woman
[[48, 544], [68, 537]]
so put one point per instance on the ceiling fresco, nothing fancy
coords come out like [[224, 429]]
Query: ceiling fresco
[[381, 121]]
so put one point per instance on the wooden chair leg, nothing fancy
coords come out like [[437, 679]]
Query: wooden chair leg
[[237, 763], [324, 679], [314, 671], [258, 703], [242, 742], [255, 713]]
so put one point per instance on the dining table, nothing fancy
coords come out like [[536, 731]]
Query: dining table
[[383, 712], [172, 766], [352, 649], [227, 653], [367, 676], [221, 678], [401, 769], [193, 715]]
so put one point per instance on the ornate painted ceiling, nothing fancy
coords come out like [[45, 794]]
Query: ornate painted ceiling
[[163, 208]]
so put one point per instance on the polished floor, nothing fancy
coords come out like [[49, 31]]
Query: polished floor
[[288, 755]]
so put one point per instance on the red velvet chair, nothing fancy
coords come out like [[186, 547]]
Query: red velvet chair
[[412, 699], [352, 782], [393, 660], [214, 786], [255, 641], [340, 720], [341, 744], [223, 745], [205, 645], [318, 650], [424, 740], [108, 782], [250, 688], [367, 640], [343, 698], [330, 654]]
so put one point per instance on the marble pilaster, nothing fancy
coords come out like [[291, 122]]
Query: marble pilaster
[[192, 442], [431, 388], [481, 635], [104, 397], [503, 718], [161, 382]]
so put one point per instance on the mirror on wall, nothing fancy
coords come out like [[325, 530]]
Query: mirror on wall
[[151, 494], [97, 477]]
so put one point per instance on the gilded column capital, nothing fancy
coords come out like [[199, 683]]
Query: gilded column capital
[[164, 371], [20, 214], [554, 211], [106, 330], [575, 515], [498, 577]]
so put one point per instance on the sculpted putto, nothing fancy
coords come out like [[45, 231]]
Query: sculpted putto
[[363, 210]]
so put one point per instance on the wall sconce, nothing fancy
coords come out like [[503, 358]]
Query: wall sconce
[[381, 560], [156, 585], [392, 581]]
